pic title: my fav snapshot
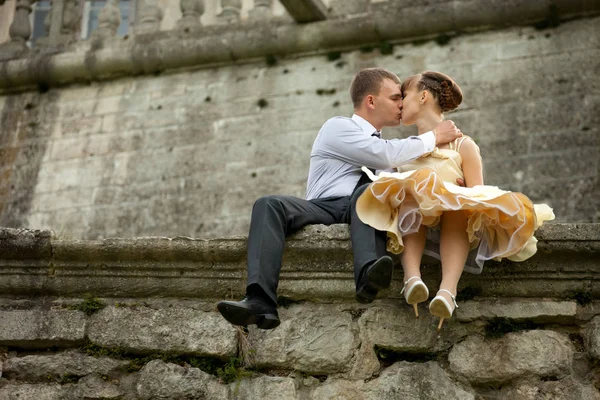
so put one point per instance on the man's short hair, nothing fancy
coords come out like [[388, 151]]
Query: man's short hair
[[368, 81]]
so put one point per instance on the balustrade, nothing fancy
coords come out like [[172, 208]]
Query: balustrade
[[66, 19]]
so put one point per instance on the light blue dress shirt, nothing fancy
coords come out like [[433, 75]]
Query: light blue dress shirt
[[344, 145]]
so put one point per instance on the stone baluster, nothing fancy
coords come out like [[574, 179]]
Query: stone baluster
[[231, 11], [191, 11], [20, 29], [71, 19], [19, 32], [149, 17], [261, 11], [109, 20], [62, 23]]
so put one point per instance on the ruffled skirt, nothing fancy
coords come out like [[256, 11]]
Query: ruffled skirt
[[500, 224]]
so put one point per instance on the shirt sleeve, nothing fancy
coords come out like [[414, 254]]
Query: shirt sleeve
[[428, 139], [343, 139]]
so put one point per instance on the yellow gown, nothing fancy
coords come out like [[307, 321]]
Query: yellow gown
[[500, 224]]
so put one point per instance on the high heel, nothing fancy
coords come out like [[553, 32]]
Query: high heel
[[416, 294], [440, 307]]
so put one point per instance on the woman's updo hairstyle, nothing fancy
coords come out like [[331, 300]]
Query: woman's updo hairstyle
[[442, 87]]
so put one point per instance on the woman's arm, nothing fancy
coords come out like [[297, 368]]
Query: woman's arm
[[471, 163]]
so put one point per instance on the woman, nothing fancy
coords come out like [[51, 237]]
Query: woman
[[423, 194]]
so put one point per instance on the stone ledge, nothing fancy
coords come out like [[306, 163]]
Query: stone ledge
[[176, 330], [537, 311], [566, 263], [217, 45], [41, 328], [516, 355]]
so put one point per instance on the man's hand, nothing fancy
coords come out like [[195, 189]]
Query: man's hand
[[446, 132], [460, 182]]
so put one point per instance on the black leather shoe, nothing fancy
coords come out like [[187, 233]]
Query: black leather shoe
[[250, 311], [375, 277]]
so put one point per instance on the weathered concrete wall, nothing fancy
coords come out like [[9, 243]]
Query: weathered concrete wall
[[187, 153], [120, 342]]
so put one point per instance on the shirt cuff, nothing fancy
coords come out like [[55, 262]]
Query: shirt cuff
[[428, 139]]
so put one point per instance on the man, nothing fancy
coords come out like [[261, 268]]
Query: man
[[335, 181]]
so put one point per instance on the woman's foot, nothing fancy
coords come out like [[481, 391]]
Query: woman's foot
[[415, 292], [442, 306]]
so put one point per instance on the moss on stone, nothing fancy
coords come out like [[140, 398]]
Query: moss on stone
[[90, 305], [232, 371]]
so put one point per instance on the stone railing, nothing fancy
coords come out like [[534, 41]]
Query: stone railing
[[60, 59], [135, 318], [64, 19]]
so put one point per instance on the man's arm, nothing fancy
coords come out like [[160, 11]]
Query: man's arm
[[343, 139], [446, 132]]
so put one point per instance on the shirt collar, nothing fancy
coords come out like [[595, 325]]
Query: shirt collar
[[365, 125]]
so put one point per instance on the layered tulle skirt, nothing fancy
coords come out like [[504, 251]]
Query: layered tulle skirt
[[500, 224]]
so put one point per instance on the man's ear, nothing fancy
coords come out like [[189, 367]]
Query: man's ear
[[370, 100]]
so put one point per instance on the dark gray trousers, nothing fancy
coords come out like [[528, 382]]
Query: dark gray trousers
[[275, 217]]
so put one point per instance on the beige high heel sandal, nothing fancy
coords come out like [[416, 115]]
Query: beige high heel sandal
[[416, 294], [440, 307]]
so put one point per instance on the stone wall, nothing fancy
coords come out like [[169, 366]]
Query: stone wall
[[520, 337], [187, 152]]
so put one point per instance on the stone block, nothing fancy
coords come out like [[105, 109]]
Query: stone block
[[580, 201], [169, 381], [507, 173], [72, 363], [397, 329], [77, 93], [77, 109], [565, 389], [423, 381], [14, 391], [41, 328], [516, 355], [77, 127], [26, 243], [402, 380], [567, 164], [264, 388], [563, 140], [75, 198], [94, 387], [134, 120], [592, 337], [539, 311], [310, 338], [178, 330]]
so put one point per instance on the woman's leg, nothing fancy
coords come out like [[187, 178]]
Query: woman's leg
[[410, 257], [454, 249], [414, 244]]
